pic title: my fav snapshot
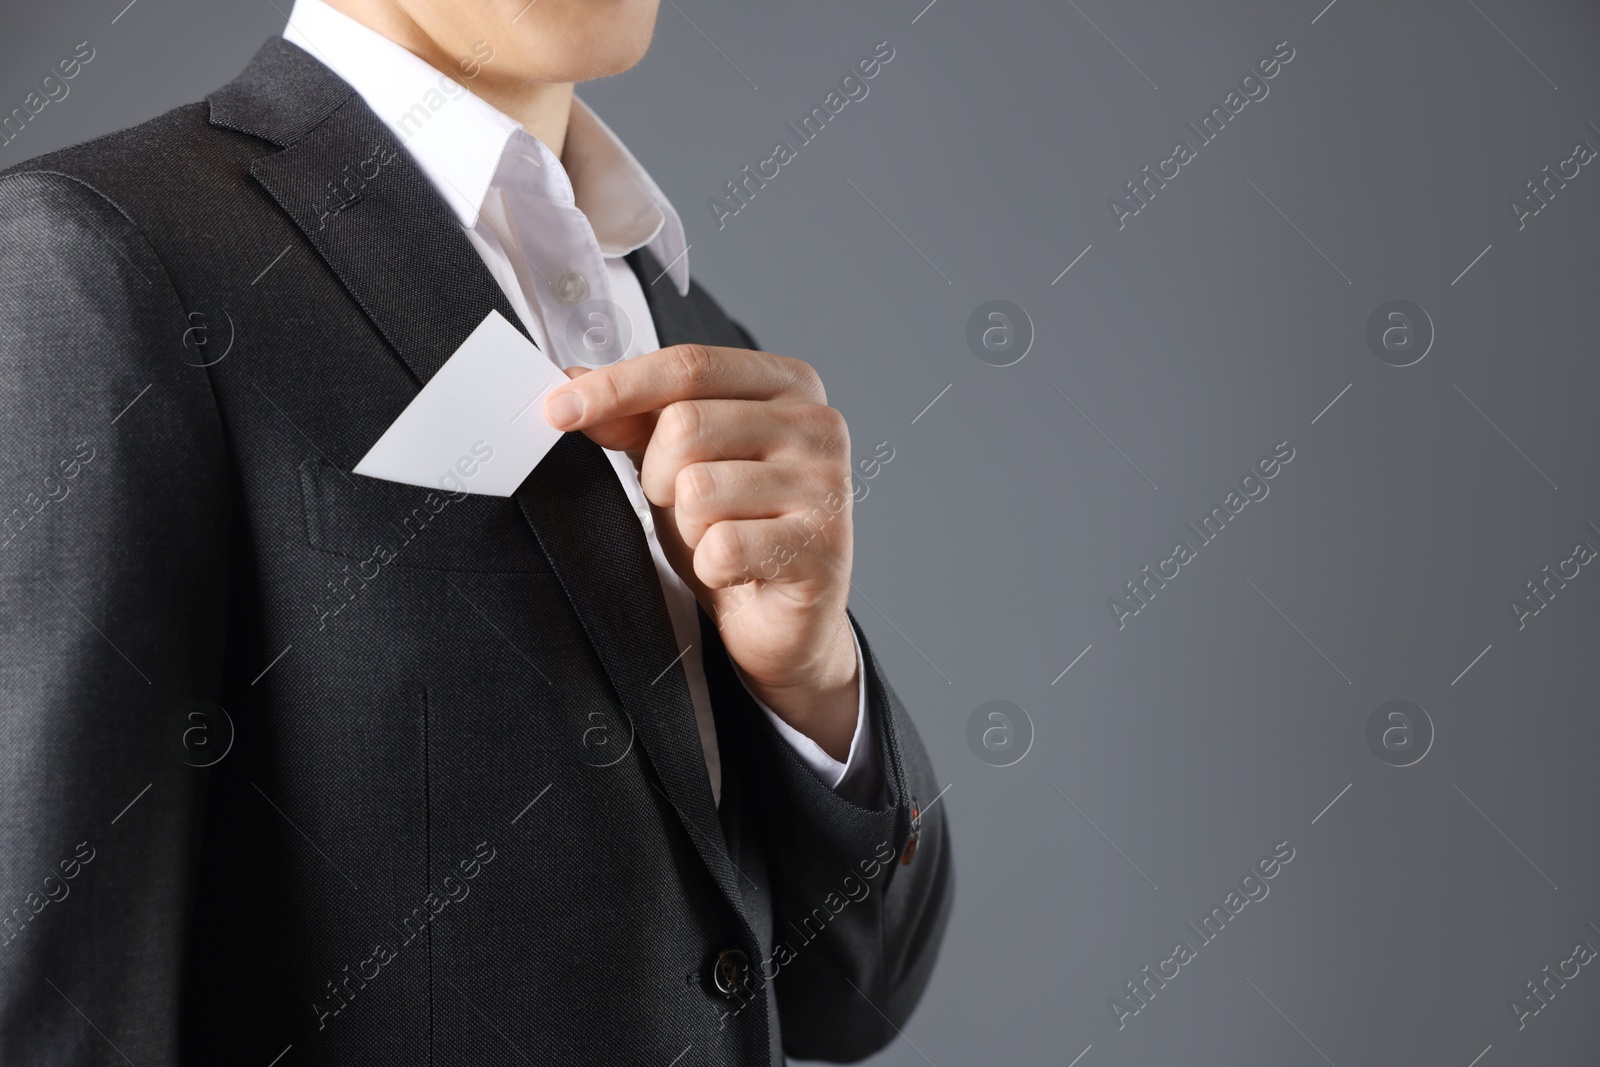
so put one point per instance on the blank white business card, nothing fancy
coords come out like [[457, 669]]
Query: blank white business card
[[478, 426]]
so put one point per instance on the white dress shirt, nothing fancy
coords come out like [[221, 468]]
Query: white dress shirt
[[553, 233]]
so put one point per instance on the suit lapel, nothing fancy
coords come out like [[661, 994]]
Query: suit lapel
[[587, 527], [596, 547], [399, 251], [394, 244], [676, 318]]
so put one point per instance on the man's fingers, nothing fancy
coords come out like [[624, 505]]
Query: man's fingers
[[703, 431], [772, 550], [630, 433], [682, 372], [709, 493]]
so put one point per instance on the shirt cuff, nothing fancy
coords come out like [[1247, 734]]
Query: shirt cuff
[[859, 772]]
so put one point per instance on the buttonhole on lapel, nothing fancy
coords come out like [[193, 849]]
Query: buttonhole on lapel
[[338, 207]]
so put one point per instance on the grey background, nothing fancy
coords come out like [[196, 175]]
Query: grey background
[[1205, 332]]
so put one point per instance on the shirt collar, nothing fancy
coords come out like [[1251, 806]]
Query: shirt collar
[[459, 140]]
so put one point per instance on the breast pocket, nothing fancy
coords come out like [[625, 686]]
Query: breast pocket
[[407, 526]]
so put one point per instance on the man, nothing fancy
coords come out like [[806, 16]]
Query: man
[[305, 767]]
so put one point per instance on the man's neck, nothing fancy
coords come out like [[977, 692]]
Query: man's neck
[[542, 108]]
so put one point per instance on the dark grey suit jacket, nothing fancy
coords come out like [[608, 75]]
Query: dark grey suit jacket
[[305, 764]]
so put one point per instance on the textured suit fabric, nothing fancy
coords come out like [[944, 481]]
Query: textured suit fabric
[[455, 809]]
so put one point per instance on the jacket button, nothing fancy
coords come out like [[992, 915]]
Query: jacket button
[[731, 972]]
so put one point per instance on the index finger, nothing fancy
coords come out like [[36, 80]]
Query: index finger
[[682, 372]]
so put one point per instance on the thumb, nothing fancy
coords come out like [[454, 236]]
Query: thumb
[[631, 433]]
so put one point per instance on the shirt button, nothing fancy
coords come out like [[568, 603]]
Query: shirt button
[[570, 287], [646, 519], [731, 972]]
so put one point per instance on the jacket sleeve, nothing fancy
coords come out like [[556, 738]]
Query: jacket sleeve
[[113, 541], [861, 892]]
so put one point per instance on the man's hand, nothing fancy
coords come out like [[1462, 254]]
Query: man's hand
[[748, 473]]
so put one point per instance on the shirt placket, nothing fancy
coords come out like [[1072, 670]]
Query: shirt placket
[[555, 239]]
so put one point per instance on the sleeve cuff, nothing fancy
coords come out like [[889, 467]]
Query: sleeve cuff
[[858, 771]]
